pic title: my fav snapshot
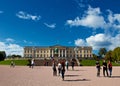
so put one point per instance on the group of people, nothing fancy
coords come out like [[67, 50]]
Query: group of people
[[61, 67], [106, 67]]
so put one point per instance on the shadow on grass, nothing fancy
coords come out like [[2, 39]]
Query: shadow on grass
[[78, 80]]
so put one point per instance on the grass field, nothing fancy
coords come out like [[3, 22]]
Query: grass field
[[17, 62], [93, 63], [24, 62]]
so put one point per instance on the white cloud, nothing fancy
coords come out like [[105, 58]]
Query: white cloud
[[114, 20], [92, 19], [99, 41], [80, 42], [50, 25], [24, 15], [95, 19], [11, 49]]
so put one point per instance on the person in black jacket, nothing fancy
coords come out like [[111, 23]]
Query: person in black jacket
[[63, 69], [98, 68], [105, 68]]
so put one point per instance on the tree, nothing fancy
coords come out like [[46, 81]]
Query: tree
[[108, 56], [95, 57], [2, 55], [16, 56], [102, 51], [116, 54]]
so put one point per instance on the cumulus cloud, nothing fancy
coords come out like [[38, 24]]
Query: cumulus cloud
[[99, 41], [95, 19], [102, 40], [24, 15], [50, 25], [92, 19], [80, 42], [11, 49]]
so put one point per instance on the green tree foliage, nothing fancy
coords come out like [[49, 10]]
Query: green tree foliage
[[95, 57], [14, 56], [2, 55], [108, 56], [116, 54], [102, 51]]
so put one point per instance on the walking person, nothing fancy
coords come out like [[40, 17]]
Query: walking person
[[67, 64], [110, 68], [98, 68], [105, 68], [72, 64], [29, 63], [12, 64], [54, 68], [63, 69], [59, 68], [32, 63]]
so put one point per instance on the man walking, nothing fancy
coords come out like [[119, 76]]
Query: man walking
[[105, 68]]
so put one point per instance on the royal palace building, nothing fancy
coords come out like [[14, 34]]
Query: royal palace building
[[58, 51]]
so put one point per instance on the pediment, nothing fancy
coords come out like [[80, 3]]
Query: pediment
[[57, 46]]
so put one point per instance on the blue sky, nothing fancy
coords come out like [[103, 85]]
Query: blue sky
[[93, 23]]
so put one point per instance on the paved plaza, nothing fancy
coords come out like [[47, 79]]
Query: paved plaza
[[42, 76]]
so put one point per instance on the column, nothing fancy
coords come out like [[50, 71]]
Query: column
[[62, 53], [59, 53], [65, 54], [52, 52]]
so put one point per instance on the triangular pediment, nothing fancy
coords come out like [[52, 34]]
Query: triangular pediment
[[57, 46]]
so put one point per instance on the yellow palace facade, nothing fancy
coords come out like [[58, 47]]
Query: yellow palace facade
[[58, 51]]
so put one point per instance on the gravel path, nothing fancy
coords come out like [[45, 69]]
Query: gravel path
[[42, 76]]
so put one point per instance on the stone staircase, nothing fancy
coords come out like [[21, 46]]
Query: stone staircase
[[48, 62]]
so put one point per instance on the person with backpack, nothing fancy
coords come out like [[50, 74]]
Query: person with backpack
[[110, 68]]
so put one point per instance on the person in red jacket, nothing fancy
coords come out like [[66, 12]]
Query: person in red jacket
[[110, 68]]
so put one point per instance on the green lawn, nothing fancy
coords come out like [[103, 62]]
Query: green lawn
[[24, 62], [88, 62], [93, 63], [17, 62]]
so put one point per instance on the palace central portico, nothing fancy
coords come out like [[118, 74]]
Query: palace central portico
[[58, 51]]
